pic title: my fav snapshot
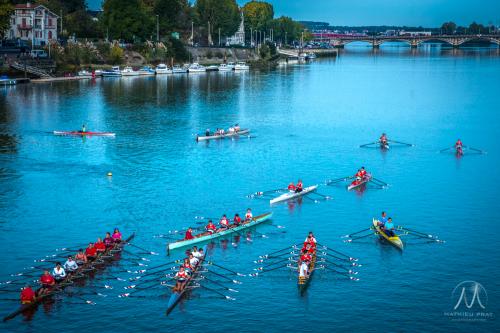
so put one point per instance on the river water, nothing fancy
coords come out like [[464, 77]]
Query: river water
[[308, 121]]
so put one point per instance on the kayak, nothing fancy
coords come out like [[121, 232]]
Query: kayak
[[394, 240], [227, 135], [80, 133], [293, 195], [363, 182]]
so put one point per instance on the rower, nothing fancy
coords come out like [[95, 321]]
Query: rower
[[383, 220], [304, 260], [459, 147], [224, 222], [310, 238], [236, 128], [359, 174], [195, 252], [383, 139], [291, 187], [221, 131], [309, 248], [181, 276], [230, 130], [189, 234], [211, 228], [248, 215], [47, 281], [207, 132], [58, 272], [84, 129], [193, 260], [389, 228], [70, 265], [117, 236], [202, 253], [91, 251], [100, 246], [81, 257], [363, 172], [237, 219], [27, 295], [299, 187], [108, 240], [187, 265]]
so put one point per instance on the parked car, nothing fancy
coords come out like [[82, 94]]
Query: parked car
[[38, 54]]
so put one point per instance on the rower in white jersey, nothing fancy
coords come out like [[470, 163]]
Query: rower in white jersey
[[195, 252], [58, 272], [248, 215], [310, 238], [193, 260], [70, 265]]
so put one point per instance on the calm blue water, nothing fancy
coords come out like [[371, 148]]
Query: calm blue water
[[308, 122]]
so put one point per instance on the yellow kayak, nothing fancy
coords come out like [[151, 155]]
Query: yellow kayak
[[394, 240]]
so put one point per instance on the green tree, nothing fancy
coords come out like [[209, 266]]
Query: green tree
[[116, 55], [258, 14], [222, 14], [128, 20], [6, 9], [286, 30], [172, 14], [449, 28]]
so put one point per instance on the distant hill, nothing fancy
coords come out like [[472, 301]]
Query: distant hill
[[313, 25]]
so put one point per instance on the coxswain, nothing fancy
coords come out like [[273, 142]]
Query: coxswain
[[211, 228], [181, 276], [291, 187], [91, 251], [237, 219], [117, 235], [70, 265], [193, 261], [224, 222], [299, 187], [84, 129], [248, 215], [47, 281], [383, 139], [100, 246], [108, 240], [58, 272], [236, 128], [81, 257], [310, 238], [189, 234], [27, 295], [195, 252], [389, 228]]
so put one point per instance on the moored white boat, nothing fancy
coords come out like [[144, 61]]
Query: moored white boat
[[293, 195], [162, 69], [113, 72], [146, 70], [128, 71], [231, 65], [212, 68], [241, 66], [179, 70], [196, 68], [225, 68]]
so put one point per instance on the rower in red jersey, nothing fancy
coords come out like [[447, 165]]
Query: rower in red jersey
[[108, 240], [47, 281], [299, 187], [237, 219], [291, 187], [308, 248], [189, 234], [211, 228], [363, 172], [224, 222], [248, 215], [459, 147], [181, 276], [27, 295], [187, 265], [305, 257], [310, 238], [100, 246], [383, 139], [91, 251]]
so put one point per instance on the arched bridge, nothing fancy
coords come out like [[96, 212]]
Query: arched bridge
[[413, 41]]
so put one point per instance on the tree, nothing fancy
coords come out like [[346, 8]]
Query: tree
[[258, 14], [6, 9], [128, 20], [172, 14], [222, 14], [448, 28], [286, 29], [116, 55]]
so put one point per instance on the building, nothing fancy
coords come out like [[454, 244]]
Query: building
[[34, 23], [239, 37], [415, 33]]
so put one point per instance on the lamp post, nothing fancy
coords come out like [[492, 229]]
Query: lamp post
[[157, 28]]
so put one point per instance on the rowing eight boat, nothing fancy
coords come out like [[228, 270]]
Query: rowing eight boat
[[227, 135], [293, 195], [207, 237], [177, 295], [81, 272], [394, 240], [79, 133]]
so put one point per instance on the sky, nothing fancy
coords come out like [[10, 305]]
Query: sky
[[426, 13]]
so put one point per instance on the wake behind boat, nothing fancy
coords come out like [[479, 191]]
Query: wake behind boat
[[80, 133], [233, 131]]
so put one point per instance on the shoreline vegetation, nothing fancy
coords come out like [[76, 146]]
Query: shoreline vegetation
[[149, 32]]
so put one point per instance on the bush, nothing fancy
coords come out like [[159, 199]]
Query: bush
[[264, 51], [219, 55], [209, 54], [116, 55]]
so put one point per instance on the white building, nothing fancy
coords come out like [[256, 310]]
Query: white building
[[34, 23], [239, 37]]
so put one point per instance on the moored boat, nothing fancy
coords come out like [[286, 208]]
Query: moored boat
[[293, 195], [225, 68], [205, 236], [241, 66], [113, 72], [179, 70], [394, 240], [146, 70], [163, 69], [222, 136], [179, 294], [128, 71], [80, 133], [196, 68]]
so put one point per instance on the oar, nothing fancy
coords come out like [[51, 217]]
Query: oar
[[326, 197], [369, 144], [338, 180], [143, 249], [340, 273], [261, 268], [218, 292], [378, 180], [267, 270], [220, 284], [416, 232], [342, 267], [355, 233], [445, 149], [224, 268], [355, 238], [475, 149], [258, 194], [278, 251], [225, 277], [401, 143], [340, 253]]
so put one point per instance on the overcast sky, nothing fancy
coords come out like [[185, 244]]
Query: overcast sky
[[426, 13]]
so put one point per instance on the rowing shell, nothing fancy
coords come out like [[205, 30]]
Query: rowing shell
[[227, 135], [293, 195], [394, 240], [363, 182], [78, 274], [303, 281], [177, 295], [80, 133], [384, 145], [255, 220]]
